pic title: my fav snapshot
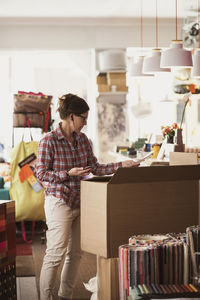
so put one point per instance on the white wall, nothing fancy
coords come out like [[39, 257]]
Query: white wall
[[77, 33]]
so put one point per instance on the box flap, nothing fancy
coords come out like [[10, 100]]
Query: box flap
[[158, 173], [99, 178]]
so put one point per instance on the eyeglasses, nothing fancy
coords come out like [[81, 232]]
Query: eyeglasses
[[82, 117]]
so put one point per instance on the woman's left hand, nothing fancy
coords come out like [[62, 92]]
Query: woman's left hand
[[130, 163]]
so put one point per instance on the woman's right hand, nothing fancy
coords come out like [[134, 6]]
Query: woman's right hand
[[79, 172]]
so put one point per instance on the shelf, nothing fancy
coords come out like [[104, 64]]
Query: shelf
[[111, 93], [112, 97], [111, 71]]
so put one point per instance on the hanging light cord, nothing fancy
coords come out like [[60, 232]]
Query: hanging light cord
[[156, 25], [141, 25], [176, 22]]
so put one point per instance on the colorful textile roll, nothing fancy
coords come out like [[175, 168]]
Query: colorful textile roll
[[193, 240], [153, 259]]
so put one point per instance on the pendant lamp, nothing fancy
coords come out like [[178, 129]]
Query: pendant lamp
[[136, 68], [176, 56], [195, 73], [152, 63]]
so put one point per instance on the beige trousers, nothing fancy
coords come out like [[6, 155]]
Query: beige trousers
[[63, 237]]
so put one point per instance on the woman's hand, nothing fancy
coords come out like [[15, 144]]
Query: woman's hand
[[79, 172], [129, 164]]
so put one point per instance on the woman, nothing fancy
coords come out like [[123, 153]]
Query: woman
[[63, 156]]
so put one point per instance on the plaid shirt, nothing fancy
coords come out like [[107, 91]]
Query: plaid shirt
[[56, 155]]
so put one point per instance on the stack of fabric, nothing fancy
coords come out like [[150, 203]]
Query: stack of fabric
[[7, 250], [154, 259]]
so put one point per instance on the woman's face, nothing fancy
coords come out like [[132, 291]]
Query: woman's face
[[79, 121]]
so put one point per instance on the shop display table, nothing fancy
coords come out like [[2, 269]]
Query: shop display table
[[7, 250], [145, 200]]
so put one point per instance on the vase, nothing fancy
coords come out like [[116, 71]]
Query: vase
[[170, 139], [179, 146]]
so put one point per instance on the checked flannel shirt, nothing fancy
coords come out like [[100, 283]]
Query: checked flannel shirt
[[56, 155]]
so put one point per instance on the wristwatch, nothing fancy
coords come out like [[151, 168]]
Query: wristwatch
[[67, 173]]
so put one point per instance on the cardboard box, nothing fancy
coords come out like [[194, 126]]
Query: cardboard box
[[116, 79], [144, 200], [183, 158], [102, 78], [122, 88], [108, 278], [102, 88]]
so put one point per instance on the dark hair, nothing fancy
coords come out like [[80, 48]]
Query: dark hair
[[71, 104]]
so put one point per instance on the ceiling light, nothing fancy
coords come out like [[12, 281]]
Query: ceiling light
[[176, 56], [137, 67], [151, 64]]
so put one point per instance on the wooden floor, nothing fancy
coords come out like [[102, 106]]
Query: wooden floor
[[30, 285], [26, 288]]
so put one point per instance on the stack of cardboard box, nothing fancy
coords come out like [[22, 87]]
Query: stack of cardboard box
[[108, 82]]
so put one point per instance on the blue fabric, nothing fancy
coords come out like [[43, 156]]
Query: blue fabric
[[4, 194]]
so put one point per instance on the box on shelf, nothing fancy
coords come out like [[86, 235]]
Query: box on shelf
[[121, 88], [137, 201], [102, 78], [103, 88], [116, 78]]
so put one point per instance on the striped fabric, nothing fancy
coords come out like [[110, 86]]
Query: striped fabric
[[56, 155], [7, 250]]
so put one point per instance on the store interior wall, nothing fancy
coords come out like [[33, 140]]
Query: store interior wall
[[60, 58]]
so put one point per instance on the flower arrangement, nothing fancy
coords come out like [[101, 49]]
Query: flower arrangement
[[169, 130]]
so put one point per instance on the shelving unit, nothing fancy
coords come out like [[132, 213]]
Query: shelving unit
[[111, 98]]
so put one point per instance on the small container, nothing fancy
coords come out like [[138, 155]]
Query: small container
[[147, 147]]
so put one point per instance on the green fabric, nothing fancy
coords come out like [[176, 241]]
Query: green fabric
[[29, 204], [4, 194]]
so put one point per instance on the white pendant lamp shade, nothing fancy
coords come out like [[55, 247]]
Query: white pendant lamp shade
[[151, 64], [195, 73], [137, 67], [176, 56]]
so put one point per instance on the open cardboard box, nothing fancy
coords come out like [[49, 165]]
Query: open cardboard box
[[144, 200]]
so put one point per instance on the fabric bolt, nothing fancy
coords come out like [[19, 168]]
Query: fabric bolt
[[63, 225], [56, 155]]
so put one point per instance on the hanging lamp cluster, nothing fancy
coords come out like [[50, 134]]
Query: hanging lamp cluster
[[162, 61]]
